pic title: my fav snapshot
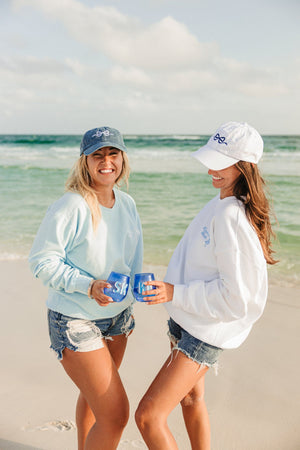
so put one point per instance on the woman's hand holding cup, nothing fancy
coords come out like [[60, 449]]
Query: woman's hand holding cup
[[97, 292], [163, 292]]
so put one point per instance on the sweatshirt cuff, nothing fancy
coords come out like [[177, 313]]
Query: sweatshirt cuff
[[82, 284]]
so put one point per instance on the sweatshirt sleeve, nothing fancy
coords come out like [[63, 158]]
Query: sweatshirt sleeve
[[137, 263], [240, 288], [48, 257]]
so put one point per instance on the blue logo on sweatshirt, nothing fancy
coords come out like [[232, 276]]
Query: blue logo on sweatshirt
[[206, 236]]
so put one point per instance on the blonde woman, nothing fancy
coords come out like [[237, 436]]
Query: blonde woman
[[90, 231], [215, 287]]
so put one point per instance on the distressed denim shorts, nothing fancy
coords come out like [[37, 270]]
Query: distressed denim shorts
[[195, 349], [84, 335]]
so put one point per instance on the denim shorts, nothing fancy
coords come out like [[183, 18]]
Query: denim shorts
[[84, 335], [195, 349]]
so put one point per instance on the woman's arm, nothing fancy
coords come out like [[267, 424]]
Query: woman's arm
[[48, 256], [137, 262]]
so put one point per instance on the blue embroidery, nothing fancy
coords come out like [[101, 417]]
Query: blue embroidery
[[206, 236], [221, 140]]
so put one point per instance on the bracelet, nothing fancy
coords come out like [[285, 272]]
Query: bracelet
[[90, 289]]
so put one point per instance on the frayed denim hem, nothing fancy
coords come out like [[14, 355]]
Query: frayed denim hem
[[202, 364], [74, 348], [58, 352]]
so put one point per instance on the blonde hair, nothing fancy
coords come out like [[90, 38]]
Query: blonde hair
[[250, 189], [79, 181]]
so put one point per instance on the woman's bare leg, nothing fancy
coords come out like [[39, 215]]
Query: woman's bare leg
[[196, 417], [85, 418], [178, 376], [97, 377]]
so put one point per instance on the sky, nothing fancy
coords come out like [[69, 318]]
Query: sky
[[149, 67]]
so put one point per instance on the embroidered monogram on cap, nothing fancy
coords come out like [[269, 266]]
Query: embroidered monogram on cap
[[100, 133], [221, 140], [100, 137]]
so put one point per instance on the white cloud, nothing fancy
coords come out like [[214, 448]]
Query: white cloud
[[130, 75], [166, 44], [33, 75], [163, 55], [154, 71], [191, 81], [30, 65]]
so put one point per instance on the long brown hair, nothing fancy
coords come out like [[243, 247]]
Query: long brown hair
[[79, 181], [250, 189]]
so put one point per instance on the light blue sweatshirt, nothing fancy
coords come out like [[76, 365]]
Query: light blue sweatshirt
[[67, 254]]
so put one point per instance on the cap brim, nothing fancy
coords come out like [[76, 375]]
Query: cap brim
[[96, 147], [213, 159]]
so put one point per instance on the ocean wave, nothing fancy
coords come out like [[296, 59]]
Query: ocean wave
[[282, 153], [33, 176], [29, 167], [177, 145], [12, 256], [39, 139]]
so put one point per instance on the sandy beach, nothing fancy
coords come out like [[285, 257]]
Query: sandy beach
[[254, 402]]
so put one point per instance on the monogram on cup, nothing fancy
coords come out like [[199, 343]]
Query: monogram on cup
[[220, 139], [120, 288], [142, 288], [139, 286]]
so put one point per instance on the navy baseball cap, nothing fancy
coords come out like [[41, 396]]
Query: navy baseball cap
[[101, 137]]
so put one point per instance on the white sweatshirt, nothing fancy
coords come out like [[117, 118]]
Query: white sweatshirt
[[219, 274]]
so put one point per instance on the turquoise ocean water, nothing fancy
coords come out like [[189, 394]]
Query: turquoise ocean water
[[168, 186]]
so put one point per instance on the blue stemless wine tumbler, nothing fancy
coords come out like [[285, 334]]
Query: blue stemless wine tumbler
[[119, 286], [139, 287]]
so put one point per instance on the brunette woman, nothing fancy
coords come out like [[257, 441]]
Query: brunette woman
[[215, 287]]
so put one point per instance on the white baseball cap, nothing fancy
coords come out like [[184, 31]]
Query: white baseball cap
[[232, 142]]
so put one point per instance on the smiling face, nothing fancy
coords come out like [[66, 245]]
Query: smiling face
[[225, 180], [105, 166]]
